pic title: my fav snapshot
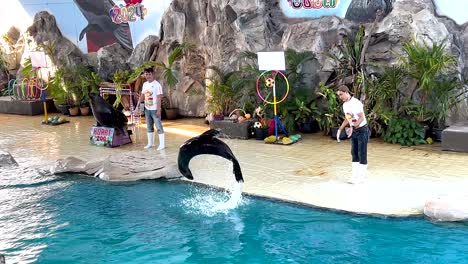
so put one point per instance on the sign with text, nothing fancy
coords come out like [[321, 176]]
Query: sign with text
[[102, 136], [268, 61], [130, 13]]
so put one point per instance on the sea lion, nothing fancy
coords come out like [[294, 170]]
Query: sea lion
[[206, 143], [105, 114]]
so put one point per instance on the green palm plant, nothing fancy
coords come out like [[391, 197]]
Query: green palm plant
[[28, 70], [384, 92], [245, 81], [428, 67], [442, 99], [248, 70], [139, 70], [425, 63], [348, 57], [224, 94], [383, 98], [89, 82], [294, 63], [169, 70]]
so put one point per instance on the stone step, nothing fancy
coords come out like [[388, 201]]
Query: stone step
[[24, 107], [455, 137]]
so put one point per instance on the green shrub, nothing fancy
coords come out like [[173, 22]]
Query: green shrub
[[406, 132]]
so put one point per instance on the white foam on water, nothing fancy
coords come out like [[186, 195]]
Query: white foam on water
[[212, 202]]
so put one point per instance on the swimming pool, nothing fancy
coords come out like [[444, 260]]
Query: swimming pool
[[77, 219]]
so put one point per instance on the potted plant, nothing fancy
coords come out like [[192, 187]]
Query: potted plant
[[428, 65], [441, 99], [62, 97], [120, 79], [74, 110], [331, 116], [304, 116], [89, 84], [383, 98], [223, 94], [261, 129]]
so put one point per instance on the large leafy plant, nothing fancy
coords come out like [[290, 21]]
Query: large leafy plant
[[347, 56], [120, 79], [224, 94], [383, 98], [442, 98], [425, 63], [428, 66], [406, 132], [332, 115]]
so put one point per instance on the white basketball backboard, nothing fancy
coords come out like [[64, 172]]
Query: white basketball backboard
[[268, 61], [38, 59]]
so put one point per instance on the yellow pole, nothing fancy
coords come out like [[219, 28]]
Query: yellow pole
[[274, 110], [45, 112], [43, 95]]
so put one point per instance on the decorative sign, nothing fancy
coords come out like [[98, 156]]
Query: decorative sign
[[313, 4], [102, 136], [129, 13]]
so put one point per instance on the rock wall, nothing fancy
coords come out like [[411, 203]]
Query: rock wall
[[44, 34], [222, 29], [44, 31]]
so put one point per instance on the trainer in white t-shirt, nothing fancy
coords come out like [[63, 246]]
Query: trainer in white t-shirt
[[151, 90], [351, 109]]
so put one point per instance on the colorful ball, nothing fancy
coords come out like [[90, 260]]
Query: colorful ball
[[257, 125], [269, 82]]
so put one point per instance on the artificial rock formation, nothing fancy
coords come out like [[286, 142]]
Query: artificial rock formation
[[144, 51], [130, 166], [447, 208], [220, 30], [6, 160], [46, 35], [110, 59], [45, 32], [365, 10]]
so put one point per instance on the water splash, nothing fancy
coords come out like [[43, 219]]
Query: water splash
[[211, 202], [234, 200]]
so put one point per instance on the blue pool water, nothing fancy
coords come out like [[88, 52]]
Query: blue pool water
[[74, 219]]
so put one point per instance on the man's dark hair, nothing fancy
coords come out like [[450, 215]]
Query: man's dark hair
[[344, 89], [149, 70]]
